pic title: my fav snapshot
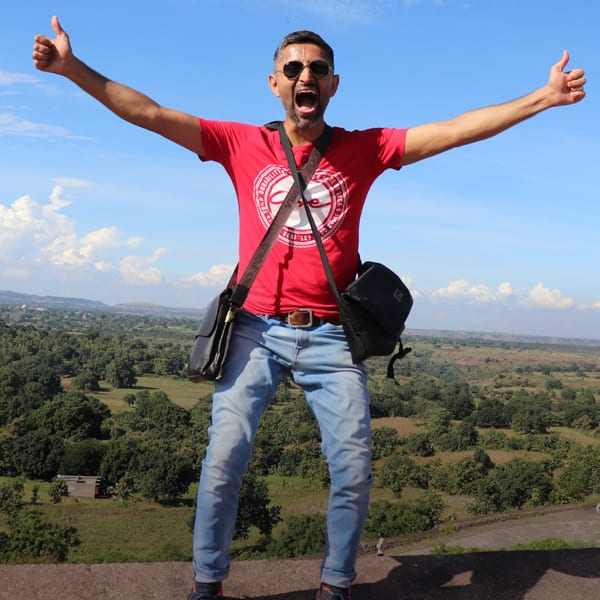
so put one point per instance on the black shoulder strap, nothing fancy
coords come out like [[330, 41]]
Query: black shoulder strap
[[298, 179], [402, 352], [241, 290]]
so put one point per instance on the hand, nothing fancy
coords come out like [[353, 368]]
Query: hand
[[52, 56], [567, 87]]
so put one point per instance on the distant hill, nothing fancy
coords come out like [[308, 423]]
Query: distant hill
[[8, 298], [19, 299], [501, 337]]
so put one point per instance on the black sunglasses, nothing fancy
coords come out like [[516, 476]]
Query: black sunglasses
[[319, 68]]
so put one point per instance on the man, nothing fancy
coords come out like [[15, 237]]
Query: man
[[290, 321]]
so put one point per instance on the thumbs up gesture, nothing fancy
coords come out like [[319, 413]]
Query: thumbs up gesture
[[567, 86], [52, 56]]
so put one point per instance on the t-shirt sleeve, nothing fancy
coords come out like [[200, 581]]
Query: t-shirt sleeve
[[391, 149], [221, 139]]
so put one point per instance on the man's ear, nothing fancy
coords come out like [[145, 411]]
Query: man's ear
[[334, 84], [273, 84]]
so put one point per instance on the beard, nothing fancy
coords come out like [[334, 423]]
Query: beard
[[303, 122], [306, 121]]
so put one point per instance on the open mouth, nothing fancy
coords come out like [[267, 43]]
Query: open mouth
[[306, 100]]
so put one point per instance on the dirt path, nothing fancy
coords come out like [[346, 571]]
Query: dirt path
[[406, 573]]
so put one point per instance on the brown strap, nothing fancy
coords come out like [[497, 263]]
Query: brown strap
[[241, 290]]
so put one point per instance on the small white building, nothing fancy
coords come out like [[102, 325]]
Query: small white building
[[82, 486]]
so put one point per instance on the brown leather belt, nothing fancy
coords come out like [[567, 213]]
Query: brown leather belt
[[303, 317]]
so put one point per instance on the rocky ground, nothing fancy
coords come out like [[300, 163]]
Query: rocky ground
[[407, 572]]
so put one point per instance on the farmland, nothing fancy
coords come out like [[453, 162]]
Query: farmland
[[470, 426]]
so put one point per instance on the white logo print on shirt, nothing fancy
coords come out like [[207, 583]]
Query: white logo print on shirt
[[328, 195]]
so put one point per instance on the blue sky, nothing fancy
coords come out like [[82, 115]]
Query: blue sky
[[498, 236]]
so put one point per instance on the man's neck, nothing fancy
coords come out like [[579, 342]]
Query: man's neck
[[300, 136]]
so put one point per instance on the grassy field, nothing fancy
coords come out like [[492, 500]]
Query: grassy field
[[135, 532], [181, 391], [145, 531]]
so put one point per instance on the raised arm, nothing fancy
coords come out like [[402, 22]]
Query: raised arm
[[56, 56], [563, 88]]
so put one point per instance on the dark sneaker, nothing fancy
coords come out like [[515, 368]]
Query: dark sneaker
[[332, 592], [206, 591]]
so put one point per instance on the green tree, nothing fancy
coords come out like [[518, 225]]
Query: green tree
[[305, 460], [514, 485], [491, 413], [386, 399], [465, 476], [58, 490], [27, 384], [87, 381], [30, 538], [301, 535], [399, 471], [580, 475], [420, 444], [120, 372], [384, 441], [459, 437], [162, 475], [69, 415], [11, 496], [82, 457], [456, 397], [531, 419], [37, 454], [254, 509], [402, 517], [158, 411], [170, 361], [583, 412], [117, 460], [437, 420]]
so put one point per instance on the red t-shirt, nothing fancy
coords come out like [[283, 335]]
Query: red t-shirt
[[292, 276]]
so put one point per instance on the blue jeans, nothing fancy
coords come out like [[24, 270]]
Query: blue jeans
[[262, 350]]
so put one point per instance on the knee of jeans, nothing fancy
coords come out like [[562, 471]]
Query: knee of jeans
[[355, 474], [231, 448]]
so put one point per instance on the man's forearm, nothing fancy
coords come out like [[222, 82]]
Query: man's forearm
[[473, 126], [484, 123], [127, 103]]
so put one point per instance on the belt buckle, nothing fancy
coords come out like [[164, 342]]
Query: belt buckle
[[305, 312]]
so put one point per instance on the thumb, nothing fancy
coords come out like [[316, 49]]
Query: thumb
[[562, 63], [56, 25]]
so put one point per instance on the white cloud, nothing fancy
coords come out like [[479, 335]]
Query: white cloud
[[36, 236], [134, 242], [71, 182], [479, 293], [64, 250], [65, 247], [11, 124], [217, 275], [138, 270], [104, 267], [594, 306], [543, 297], [7, 78], [26, 225], [56, 201], [107, 237]]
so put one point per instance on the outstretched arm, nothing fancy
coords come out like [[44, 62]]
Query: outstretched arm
[[56, 56], [563, 88]]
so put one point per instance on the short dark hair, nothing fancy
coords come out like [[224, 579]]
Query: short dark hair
[[304, 37]]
